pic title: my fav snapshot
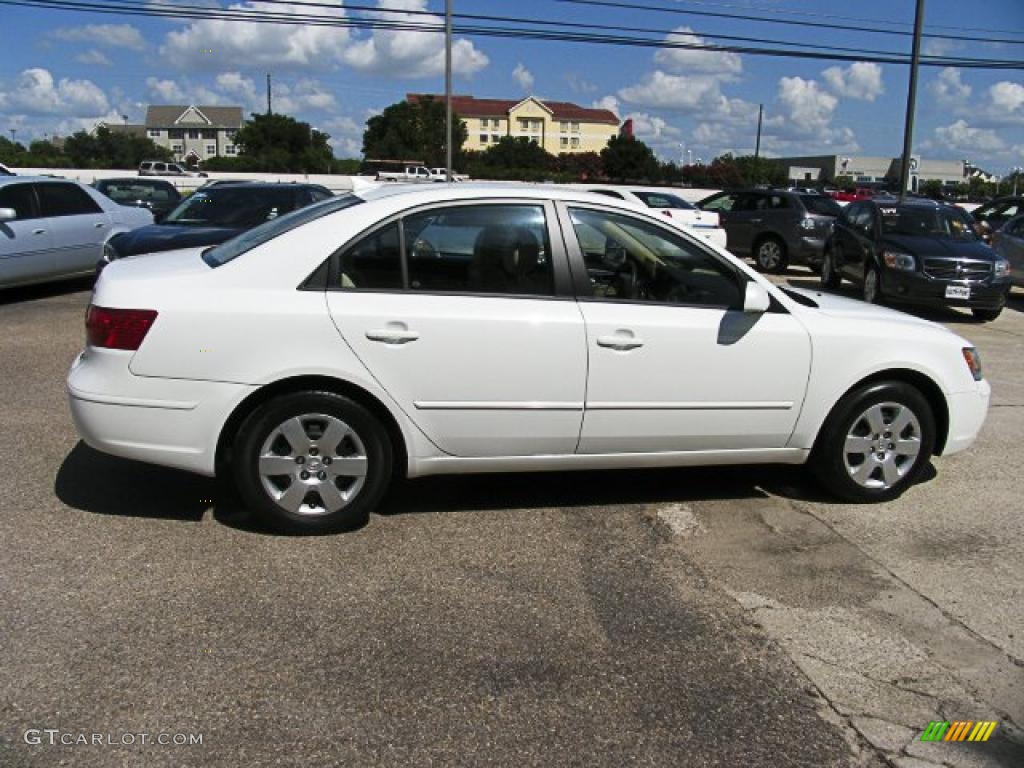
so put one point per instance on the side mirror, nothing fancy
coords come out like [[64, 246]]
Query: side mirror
[[756, 299], [8, 214]]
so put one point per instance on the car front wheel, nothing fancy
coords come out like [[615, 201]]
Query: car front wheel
[[875, 443], [830, 277], [986, 315], [872, 286], [312, 462]]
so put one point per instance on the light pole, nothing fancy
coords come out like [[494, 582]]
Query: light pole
[[908, 128]]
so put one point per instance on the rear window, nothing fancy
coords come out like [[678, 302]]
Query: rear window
[[663, 200], [232, 249], [824, 206]]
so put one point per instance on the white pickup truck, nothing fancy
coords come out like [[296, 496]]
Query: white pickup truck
[[418, 173]]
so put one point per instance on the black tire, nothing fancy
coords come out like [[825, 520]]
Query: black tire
[[986, 315], [830, 277], [770, 254], [872, 288], [834, 466], [365, 447]]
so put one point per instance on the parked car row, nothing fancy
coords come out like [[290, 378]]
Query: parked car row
[[706, 224]]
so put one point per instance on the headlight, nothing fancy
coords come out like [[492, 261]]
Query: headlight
[[1001, 268], [973, 360], [109, 253], [898, 260]]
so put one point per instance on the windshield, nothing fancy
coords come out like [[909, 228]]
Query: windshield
[[235, 247], [663, 200], [132, 190], [824, 206], [932, 222], [230, 206]]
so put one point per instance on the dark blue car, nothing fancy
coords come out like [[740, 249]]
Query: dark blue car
[[916, 252], [213, 215]]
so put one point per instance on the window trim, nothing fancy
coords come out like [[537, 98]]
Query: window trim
[[563, 289], [584, 291]]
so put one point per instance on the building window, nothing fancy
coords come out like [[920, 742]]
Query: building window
[[483, 138], [575, 142], [176, 148], [575, 127], [563, 126], [564, 141], [175, 133], [211, 149], [229, 149], [209, 134], [193, 134], [154, 133], [495, 138], [524, 125]]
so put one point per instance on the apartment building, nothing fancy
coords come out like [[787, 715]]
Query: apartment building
[[192, 133], [557, 126]]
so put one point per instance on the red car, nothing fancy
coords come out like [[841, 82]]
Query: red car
[[861, 193]]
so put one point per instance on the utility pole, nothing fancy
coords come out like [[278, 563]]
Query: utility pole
[[269, 111], [757, 146], [908, 129], [448, 89]]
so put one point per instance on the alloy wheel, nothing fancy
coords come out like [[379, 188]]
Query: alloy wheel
[[882, 445], [313, 464], [871, 286], [769, 255]]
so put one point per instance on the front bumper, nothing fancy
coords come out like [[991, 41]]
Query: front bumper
[[967, 411], [171, 422], [918, 288]]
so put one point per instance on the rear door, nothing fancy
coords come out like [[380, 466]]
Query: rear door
[[741, 222], [1009, 243], [464, 313], [26, 251], [79, 226]]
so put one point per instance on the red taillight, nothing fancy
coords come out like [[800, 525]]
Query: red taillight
[[117, 328]]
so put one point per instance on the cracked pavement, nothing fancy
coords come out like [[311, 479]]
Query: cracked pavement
[[671, 617]]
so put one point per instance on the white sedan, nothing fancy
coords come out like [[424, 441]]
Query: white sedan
[[499, 328], [706, 224]]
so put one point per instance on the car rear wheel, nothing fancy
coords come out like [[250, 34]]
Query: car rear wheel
[[872, 286], [830, 277], [986, 315], [312, 462], [875, 443], [770, 255]]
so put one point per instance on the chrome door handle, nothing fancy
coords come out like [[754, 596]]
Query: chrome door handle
[[38, 231], [100, 224], [392, 336], [622, 342]]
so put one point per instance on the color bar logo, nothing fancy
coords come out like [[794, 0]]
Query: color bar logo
[[959, 730]]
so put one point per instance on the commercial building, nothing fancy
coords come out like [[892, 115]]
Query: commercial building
[[192, 133], [557, 126], [825, 169]]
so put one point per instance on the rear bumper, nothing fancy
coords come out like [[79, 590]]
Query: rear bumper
[[967, 412], [917, 288], [810, 251], [714, 235], [170, 422]]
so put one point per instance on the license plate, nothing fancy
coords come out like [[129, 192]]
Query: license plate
[[958, 292]]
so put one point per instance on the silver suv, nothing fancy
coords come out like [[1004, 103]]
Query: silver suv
[[161, 168], [775, 227]]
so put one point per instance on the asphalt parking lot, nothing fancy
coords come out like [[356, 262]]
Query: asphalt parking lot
[[665, 618]]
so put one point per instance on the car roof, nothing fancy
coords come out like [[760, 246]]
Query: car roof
[[22, 179], [416, 194]]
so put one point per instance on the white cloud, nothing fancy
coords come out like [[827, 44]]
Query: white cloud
[[94, 57], [696, 59], [166, 91], [809, 108], [215, 43], [607, 102], [1007, 96], [410, 53], [524, 77], [860, 80], [113, 35], [35, 92], [684, 93], [961, 137], [948, 89], [578, 84], [346, 135]]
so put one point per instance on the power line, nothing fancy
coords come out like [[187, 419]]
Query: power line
[[201, 13]]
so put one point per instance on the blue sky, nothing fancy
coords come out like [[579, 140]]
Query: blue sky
[[62, 71]]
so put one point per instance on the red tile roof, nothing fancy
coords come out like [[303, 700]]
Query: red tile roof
[[468, 106]]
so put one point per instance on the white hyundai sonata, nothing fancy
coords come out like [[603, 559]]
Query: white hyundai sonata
[[498, 328]]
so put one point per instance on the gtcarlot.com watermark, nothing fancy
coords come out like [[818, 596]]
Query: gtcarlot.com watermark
[[55, 737]]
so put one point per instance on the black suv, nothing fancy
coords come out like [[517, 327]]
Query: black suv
[[776, 227], [919, 252], [213, 215]]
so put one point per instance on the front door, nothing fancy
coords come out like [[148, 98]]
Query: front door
[[78, 223], [26, 252], [463, 314], [675, 365]]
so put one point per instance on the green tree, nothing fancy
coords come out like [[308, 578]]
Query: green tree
[[11, 151], [512, 158], [628, 158], [581, 166], [282, 143], [111, 149], [407, 131]]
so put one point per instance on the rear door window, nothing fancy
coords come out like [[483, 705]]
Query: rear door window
[[21, 198], [59, 199]]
